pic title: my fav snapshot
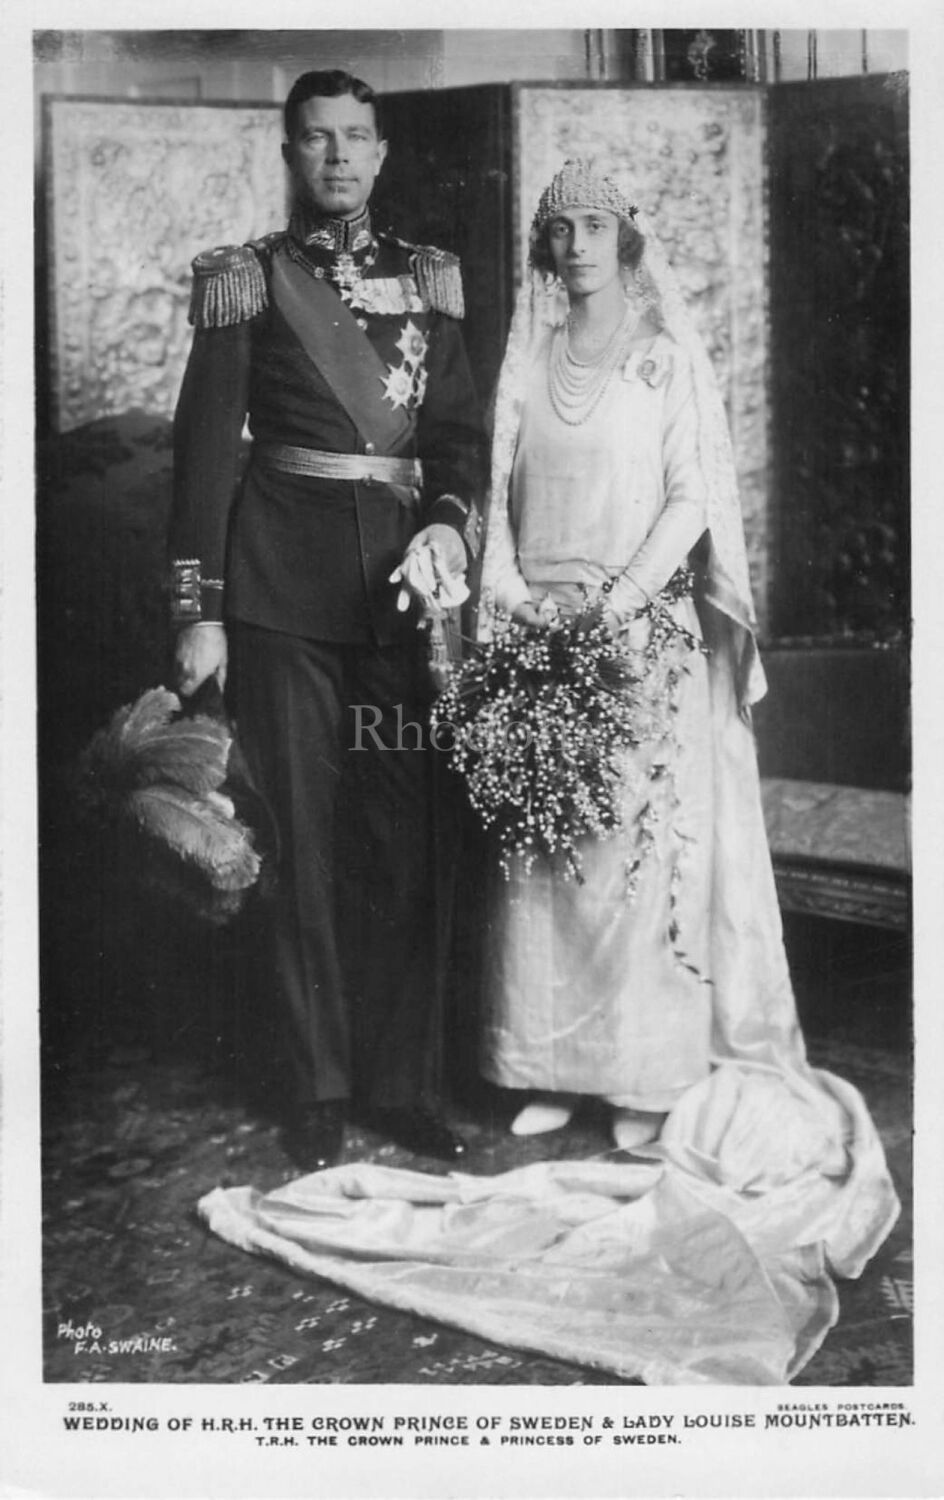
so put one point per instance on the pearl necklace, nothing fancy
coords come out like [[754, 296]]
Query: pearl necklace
[[577, 386]]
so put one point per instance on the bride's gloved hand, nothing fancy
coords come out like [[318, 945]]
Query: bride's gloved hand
[[526, 614], [632, 632], [540, 615], [621, 614]]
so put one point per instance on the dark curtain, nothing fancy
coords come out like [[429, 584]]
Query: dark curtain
[[839, 314]]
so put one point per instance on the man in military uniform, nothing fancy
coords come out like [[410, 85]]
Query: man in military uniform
[[343, 348]]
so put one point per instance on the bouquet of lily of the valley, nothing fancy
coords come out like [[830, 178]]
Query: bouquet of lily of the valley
[[539, 722]]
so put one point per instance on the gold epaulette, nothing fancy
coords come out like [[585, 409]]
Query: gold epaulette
[[229, 286], [438, 278]]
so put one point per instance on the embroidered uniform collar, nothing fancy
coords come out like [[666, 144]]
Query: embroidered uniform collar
[[338, 237]]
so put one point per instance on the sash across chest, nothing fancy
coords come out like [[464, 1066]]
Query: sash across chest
[[343, 355]]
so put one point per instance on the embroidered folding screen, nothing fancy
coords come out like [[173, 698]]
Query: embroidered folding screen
[[694, 159], [133, 192]]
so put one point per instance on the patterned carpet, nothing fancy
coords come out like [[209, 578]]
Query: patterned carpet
[[134, 1140]]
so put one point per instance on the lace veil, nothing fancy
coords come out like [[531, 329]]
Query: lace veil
[[542, 303]]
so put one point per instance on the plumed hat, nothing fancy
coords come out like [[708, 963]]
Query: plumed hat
[[168, 779]]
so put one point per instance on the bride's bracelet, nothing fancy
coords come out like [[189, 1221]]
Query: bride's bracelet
[[680, 586]]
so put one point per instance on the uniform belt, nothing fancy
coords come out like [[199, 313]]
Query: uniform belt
[[358, 466]]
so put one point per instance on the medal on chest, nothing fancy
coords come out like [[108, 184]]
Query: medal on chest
[[405, 383]]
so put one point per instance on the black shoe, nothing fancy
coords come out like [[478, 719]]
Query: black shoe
[[314, 1135], [421, 1131]]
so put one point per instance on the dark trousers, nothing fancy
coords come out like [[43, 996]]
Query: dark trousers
[[354, 946]]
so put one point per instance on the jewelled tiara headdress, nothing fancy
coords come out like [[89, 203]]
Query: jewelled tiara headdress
[[579, 185]]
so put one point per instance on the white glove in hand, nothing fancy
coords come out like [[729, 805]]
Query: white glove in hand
[[201, 651], [432, 571]]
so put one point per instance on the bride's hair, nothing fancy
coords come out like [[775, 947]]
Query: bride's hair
[[630, 246]]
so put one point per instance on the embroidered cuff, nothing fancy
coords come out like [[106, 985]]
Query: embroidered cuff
[[192, 597]]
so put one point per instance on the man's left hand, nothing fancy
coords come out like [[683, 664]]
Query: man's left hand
[[432, 570]]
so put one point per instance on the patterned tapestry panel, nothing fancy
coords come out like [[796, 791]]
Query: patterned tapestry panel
[[694, 160], [133, 193]]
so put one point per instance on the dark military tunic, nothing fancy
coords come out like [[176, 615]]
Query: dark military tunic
[[312, 556], [298, 566]]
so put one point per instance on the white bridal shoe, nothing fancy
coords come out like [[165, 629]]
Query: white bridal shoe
[[635, 1127], [549, 1112]]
